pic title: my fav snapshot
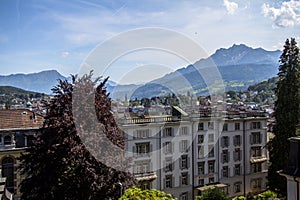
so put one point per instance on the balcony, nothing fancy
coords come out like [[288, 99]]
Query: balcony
[[146, 176]]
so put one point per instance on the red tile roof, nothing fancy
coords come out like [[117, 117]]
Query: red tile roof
[[20, 119]]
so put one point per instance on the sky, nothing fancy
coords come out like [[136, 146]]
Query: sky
[[37, 35]]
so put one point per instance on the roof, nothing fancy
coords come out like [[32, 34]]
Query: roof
[[20, 119]]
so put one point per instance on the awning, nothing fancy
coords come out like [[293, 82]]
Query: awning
[[206, 187], [180, 110], [146, 176], [258, 159]]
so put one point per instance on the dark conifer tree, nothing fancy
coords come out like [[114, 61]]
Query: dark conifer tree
[[60, 165], [286, 113]]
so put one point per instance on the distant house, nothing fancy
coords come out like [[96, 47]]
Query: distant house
[[17, 130]]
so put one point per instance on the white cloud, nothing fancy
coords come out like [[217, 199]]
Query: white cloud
[[65, 54], [287, 15], [231, 7]]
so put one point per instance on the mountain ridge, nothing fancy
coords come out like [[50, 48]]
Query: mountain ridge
[[238, 65]]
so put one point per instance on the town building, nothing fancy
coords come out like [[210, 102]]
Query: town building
[[17, 130], [292, 171], [182, 152]]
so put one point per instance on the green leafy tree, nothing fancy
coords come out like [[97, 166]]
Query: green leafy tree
[[286, 113], [213, 194], [59, 165], [135, 193]]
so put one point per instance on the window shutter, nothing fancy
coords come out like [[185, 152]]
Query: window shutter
[[228, 156], [151, 149], [164, 182], [180, 146], [260, 138], [180, 163], [173, 181], [180, 180], [134, 151], [188, 162]]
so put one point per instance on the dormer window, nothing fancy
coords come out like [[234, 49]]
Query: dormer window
[[7, 140]]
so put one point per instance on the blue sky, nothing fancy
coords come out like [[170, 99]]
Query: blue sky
[[36, 35]]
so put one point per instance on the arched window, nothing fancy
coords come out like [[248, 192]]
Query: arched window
[[7, 140], [8, 173]]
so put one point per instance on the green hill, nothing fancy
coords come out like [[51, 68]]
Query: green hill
[[9, 93]]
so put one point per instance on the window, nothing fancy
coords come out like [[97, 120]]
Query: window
[[184, 178], [255, 167], [211, 167], [237, 187], [7, 140], [201, 169], [237, 140], [143, 149], [200, 126], [200, 151], [8, 173], [211, 180], [184, 162], [210, 137], [168, 147], [256, 152], [255, 138], [168, 132], [256, 183], [201, 181], [142, 133], [184, 131], [169, 181], [225, 156], [237, 126], [211, 150], [237, 155], [225, 141], [225, 172], [225, 127], [142, 167], [256, 125], [184, 196], [146, 185], [237, 170], [183, 145], [200, 139], [210, 125], [169, 165]]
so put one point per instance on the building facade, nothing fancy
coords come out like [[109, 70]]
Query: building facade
[[17, 130], [182, 153]]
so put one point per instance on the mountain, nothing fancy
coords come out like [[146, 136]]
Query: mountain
[[238, 66], [41, 82]]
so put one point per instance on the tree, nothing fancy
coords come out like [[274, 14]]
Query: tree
[[213, 194], [135, 193], [59, 165], [286, 113]]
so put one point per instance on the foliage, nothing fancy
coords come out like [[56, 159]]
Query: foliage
[[286, 113], [59, 165], [135, 193], [239, 198], [213, 194], [267, 195]]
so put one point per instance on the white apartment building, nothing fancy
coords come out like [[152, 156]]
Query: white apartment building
[[183, 153]]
